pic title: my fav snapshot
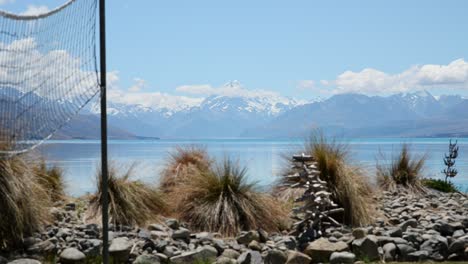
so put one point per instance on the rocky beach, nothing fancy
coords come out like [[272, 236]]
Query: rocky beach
[[408, 227]]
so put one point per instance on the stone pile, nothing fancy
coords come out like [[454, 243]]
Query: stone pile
[[315, 206]]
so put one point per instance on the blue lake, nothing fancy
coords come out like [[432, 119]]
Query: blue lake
[[264, 158]]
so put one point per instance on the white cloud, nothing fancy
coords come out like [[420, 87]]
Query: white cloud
[[306, 84], [233, 88], [138, 86], [421, 77], [4, 2], [33, 10], [135, 96], [31, 70]]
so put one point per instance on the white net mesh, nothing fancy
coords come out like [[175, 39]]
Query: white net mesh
[[48, 72]]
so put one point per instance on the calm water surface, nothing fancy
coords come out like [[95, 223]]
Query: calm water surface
[[264, 158]]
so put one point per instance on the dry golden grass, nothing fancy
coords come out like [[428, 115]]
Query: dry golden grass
[[131, 202], [23, 201], [221, 200], [404, 170], [52, 181], [182, 163], [347, 183]]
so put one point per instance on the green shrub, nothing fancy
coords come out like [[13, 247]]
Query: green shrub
[[440, 185]]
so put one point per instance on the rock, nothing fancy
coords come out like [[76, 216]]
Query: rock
[[389, 250], [246, 237], [3, 260], [181, 233], [42, 248], [436, 246], [276, 257], [230, 253], [25, 261], [156, 227], [119, 249], [359, 233], [410, 222], [204, 236], [147, 259], [172, 224], [72, 255], [342, 258], [94, 247], [420, 255], [254, 245], [446, 229], [366, 248], [224, 260], [457, 246], [263, 235], [296, 257], [404, 250], [321, 249], [396, 232], [250, 257], [185, 257], [207, 253]]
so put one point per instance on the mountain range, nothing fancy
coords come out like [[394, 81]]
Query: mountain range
[[258, 115], [418, 114]]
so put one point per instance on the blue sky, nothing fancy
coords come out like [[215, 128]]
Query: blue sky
[[301, 49]]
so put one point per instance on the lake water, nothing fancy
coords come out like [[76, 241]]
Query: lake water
[[263, 158]]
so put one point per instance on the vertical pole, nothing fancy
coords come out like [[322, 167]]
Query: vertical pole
[[104, 172]]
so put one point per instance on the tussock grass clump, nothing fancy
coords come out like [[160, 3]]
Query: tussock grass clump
[[182, 163], [403, 170], [131, 202], [221, 200], [52, 181], [23, 201], [347, 183]]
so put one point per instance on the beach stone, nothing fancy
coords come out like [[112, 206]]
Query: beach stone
[[389, 251], [172, 223], [446, 229], [359, 233], [246, 237], [321, 249], [254, 245], [230, 253], [72, 255], [156, 227], [225, 260], [408, 223], [275, 257], [342, 258], [208, 253], [457, 246], [185, 257], [296, 257], [420, 255], [366, 248], [25, 261], [396, 232], [250, 257], [181, 233], [45, 247], [120, 248], [147, 259]]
